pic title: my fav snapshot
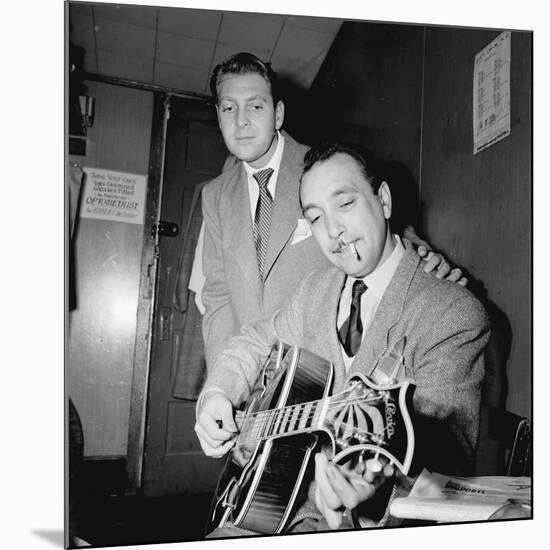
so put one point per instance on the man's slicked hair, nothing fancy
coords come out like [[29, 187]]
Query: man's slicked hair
[[244, 63], [371, 166]]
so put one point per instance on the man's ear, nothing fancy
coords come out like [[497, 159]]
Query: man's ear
[[279, 114], [384, 195]]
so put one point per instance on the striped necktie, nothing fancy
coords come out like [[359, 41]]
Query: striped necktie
[[352, 330], [262, 217]]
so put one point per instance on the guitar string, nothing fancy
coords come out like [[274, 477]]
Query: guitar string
[[262, 421], [257, 438], [289, 410], [332, 403]]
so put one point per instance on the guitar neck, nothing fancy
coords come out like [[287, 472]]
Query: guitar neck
[[289, 420]]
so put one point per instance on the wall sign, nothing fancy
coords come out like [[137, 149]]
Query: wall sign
[[114, 196], [492, 93]]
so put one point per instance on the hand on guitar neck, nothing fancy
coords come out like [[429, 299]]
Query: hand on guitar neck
[[340, 487], [215, 426]]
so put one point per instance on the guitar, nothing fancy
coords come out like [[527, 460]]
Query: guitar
[[289, 417]]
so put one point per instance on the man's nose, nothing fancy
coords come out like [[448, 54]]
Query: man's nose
[[334, 227], [242, 118]]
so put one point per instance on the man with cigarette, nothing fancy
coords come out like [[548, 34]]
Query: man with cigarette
[[374, 295]]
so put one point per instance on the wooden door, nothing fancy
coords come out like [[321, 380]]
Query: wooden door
[[173, 461]]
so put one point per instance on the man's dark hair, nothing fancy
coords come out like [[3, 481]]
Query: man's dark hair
[[244, 63], [370, 165]]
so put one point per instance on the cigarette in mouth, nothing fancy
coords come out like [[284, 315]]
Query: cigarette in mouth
[[355, 251]]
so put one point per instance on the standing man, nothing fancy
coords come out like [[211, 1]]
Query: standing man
[[374, 296], [256, 246]]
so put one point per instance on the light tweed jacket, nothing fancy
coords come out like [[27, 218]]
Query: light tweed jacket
[[446, 330], [233, 292]]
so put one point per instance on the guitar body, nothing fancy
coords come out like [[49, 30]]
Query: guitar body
[[290, 416], [260, 492]]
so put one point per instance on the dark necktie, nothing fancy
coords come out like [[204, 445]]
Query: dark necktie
[[262, 218], [352, 329]]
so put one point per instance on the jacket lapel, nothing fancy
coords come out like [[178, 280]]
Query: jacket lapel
[[286, 209], [328, 345], [388, 313]]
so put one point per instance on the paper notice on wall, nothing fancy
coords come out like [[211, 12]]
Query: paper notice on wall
[[492, 93], [114, 196]]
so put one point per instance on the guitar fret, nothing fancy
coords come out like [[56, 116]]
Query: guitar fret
[[296, 416], [268, 424], [306, 416], [290, 418], [284, 423], [278, 422]]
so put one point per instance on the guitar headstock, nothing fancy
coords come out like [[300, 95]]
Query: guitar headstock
[[369, 420]]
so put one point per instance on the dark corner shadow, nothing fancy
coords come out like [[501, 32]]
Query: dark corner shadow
[[405, 197], [497, 352], [55, 536], [310, 117]]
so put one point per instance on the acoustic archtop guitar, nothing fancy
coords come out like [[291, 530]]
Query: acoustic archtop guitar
[[288, 418]]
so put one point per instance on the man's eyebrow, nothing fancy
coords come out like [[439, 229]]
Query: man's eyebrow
[[247, 101], [344, 190], [256, 97], [334, 194], [308, 207]]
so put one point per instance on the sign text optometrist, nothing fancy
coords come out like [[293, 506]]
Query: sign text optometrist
[[114, 196]]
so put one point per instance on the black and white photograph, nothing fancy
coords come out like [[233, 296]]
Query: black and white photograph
[[299, 274], [297, 277]]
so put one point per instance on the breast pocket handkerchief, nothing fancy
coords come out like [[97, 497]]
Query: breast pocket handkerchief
[[301, 232]]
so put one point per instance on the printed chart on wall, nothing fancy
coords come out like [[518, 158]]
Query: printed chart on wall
[[492, 93], [113, 196]]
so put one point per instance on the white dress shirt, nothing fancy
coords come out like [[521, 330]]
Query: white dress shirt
[[274, 163], [376, 282]]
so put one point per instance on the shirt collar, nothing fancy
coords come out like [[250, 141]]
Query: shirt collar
[[275, 160], [380, 278]]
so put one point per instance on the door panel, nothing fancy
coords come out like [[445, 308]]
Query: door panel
[[173, 460]]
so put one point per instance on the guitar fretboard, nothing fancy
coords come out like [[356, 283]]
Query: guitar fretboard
[[289, 420]]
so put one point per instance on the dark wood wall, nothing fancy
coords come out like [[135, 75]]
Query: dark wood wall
[[478, 207], [407, 92], [370, 90]]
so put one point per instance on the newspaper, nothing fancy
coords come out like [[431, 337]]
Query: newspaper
[[443, 498]]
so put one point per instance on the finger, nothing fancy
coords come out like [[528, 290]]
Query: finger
[[227, 420], [377, 478], [374, 465], [221, 451], [209, 430], [326, 491], [432, 261], [422, 251], [215, 451], [213, 447], [442, 270], [454, 275], [352, 490], [209, 441], [218, 429], [334, 518]]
